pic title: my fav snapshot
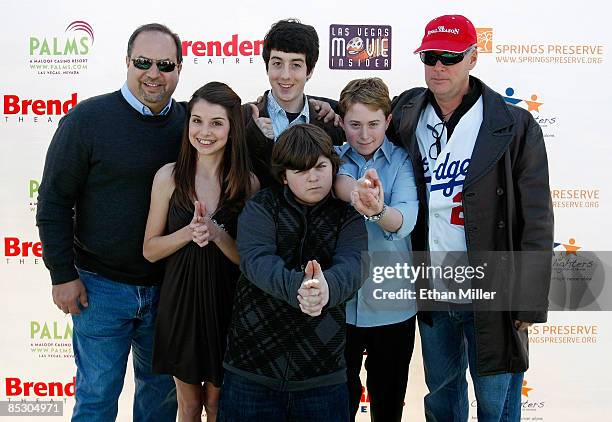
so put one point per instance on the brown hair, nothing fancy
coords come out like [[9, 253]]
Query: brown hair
[[371, 92], [299, 148], [234, 172]]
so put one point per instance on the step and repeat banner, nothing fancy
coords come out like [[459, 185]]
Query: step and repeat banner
[[550, 59]]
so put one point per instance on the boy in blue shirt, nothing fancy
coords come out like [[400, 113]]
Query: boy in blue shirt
[[376, 177]]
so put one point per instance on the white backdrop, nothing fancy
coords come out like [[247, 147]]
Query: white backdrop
[[553, 60]]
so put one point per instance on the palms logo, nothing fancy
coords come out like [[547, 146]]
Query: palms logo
[[61, 54], [81, 26], [64, 45]]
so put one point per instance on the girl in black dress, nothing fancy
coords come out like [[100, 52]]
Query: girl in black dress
[[195, 204]]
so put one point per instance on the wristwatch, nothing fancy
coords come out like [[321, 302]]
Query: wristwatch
[[378, 216]]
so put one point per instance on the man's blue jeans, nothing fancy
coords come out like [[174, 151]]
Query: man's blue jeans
[[447, 347], [247, 401], [119, 317]]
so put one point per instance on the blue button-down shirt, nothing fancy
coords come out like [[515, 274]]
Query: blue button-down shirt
[[140, 107], [395, 172], [280, 121]]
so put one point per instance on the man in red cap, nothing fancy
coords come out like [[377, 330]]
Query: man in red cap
[[482, 179]]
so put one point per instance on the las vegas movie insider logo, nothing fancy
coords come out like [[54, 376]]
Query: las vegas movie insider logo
[[360, 47]]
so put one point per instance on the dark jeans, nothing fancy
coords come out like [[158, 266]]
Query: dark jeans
[[247, 401], [389, 350], [449, 347]]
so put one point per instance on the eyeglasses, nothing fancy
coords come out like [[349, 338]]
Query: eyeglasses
[[143, 63], [437, 135], [447, 58]]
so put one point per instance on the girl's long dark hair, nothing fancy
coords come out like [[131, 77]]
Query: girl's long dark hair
[[234, 172]]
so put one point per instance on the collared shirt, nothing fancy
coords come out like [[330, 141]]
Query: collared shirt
[[140, 107], [395, 171], [277, 114]]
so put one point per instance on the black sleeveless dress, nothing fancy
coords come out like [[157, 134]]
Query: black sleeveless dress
[[195, 304]]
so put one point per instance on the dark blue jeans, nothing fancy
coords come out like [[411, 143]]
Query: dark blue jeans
[[246, 401], [448, 346]]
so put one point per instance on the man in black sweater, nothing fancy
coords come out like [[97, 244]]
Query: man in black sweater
[[93, 206]]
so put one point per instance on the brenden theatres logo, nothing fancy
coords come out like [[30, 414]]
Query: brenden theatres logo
[[231, 51], [533, 103], [17, 109], [15, 387], [51, 339], [535, 52], [360, 47], [18, 251], [62, 54]]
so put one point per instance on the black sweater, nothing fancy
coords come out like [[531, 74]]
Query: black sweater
[[94, 196]]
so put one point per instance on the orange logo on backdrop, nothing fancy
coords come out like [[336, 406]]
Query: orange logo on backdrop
[[525, 390], [571, 247], [485, 40]]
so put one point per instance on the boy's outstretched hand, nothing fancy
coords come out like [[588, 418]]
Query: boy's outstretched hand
[[368, 197]]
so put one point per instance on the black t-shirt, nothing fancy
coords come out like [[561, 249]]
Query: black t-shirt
[[469, 99], [291, 116]]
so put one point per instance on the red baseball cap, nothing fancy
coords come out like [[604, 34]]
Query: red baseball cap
[[454, 33]]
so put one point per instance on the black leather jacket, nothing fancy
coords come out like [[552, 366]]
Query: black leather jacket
[[507, 207]]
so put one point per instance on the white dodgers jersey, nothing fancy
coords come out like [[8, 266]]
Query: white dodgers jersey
[[446, 174]]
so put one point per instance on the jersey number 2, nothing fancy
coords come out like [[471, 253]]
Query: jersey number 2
[[457, 212]]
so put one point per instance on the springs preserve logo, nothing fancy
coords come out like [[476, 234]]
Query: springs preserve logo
[[537, 51], [63, 53]]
